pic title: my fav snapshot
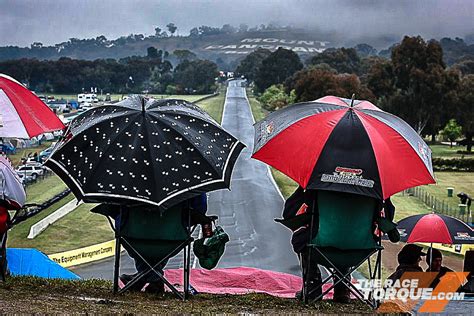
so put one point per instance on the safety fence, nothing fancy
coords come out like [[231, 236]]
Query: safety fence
[[440, 206]]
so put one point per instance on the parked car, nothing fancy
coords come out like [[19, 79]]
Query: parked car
[[45, 153], [25, 179], [32, 170]]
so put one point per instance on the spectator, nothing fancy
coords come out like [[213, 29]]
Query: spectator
[[296, 205], [434, 259], [465, 199], [409, 259]]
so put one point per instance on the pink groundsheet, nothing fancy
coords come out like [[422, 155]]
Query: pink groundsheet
[[241, 280]]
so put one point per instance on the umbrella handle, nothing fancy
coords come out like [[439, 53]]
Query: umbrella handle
[[352, 101]]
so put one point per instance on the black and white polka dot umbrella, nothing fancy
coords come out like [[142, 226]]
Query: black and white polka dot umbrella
[[153, 151]]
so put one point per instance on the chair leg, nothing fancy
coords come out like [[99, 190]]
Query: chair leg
[[342, 278], [153, 268], [116, 264], [187, 271]]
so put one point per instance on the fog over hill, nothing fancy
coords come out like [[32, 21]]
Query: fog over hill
[[23, 22]]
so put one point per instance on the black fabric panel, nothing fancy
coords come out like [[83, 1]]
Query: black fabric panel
[[347, 162]]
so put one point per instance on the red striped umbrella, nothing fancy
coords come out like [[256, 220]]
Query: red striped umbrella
[[23, 114], [435, 228], [344, 145]]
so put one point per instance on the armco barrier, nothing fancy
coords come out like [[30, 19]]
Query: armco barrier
[[40, 226], [458, 249], [84, 255]]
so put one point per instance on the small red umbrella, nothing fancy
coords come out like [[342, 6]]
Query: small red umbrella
[[23, 114], [435, 228]]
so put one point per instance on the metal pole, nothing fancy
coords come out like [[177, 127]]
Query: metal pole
[[308, 265], [117, 250]]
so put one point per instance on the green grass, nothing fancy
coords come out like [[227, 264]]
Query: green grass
[[258, 111], [44, 189], [460, 181], [215, 105], [444, 151], [17, 235], [30, 295], [78, 229]]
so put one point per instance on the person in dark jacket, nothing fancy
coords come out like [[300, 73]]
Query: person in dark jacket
[[434, 259], [465, 199], [409, 259], [297, 209]]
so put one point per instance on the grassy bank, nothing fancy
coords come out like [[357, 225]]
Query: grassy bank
[[27, 295], [215, 105]]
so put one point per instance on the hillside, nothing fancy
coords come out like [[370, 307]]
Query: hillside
[[225, 47]]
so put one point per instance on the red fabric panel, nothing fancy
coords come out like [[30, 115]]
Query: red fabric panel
[[37, 117], [295, 150], [399, 165], [332, 100], [3, 220], [430, 228]]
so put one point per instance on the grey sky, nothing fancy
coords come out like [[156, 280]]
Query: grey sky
[[52, 21]]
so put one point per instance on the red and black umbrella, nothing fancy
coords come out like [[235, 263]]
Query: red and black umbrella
[[344, 145], [23, 114], [435, 228]]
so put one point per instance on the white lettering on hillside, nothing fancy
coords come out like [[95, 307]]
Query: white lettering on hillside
[[298, 46]]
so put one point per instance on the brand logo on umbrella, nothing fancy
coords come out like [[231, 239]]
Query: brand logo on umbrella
[[344, 175], [423, 151], [463, 236], [402, 232], [266, 130]]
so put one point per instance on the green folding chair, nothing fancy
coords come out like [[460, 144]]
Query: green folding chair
[[345, 240], [154, 236]]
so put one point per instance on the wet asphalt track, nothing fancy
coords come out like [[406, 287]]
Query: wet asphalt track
[[246, 212]]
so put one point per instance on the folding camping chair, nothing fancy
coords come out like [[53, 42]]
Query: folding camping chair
[[154, 237], [344, 240]]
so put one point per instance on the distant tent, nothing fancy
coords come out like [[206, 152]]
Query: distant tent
[[34, 263]]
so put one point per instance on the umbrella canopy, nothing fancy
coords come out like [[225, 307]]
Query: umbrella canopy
[[335, 144], [435, 228], [156, 152], [11, 189], [23, 114]]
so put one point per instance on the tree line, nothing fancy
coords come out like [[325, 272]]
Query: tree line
[[153, 73], [414, 83]]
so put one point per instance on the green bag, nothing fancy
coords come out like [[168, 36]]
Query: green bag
[[210, 250]]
